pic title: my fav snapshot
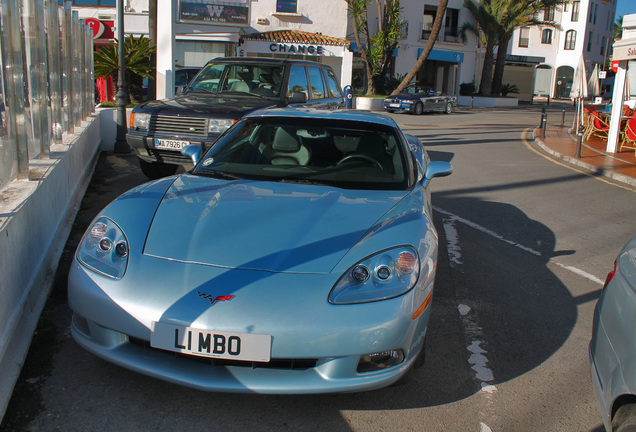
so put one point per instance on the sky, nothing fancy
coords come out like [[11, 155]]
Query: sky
[[625, 7]]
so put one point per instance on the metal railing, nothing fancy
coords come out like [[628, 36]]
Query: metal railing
[[46, 80]]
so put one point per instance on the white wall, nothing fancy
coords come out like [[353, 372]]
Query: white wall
[[35, 221]]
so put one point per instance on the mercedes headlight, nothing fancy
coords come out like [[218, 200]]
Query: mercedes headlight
[[218, 126], [104, 249], [382, 276]]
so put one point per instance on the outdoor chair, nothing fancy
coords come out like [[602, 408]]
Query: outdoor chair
[[598, 127], [629, 135]]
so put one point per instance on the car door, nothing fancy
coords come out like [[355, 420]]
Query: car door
[[333, 89]]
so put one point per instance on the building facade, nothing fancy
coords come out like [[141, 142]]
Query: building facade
[[584, 29], [190, 32]]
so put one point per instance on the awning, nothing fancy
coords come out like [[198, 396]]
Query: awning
[[624, 49]]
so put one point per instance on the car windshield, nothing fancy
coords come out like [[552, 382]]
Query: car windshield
[[344, 154], [418, 90], [224, 78]]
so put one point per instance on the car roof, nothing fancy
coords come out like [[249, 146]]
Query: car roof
[[263, 60], [342, 114]]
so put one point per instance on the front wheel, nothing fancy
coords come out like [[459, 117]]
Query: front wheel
[[625, 419], [419, 108], [449, 108], [156, 170]]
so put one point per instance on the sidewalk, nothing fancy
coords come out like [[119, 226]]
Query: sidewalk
[[559, 143]]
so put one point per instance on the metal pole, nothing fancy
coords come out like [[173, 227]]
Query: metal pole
[[579, 142], [544, 121], [563, 119], [121, 146]]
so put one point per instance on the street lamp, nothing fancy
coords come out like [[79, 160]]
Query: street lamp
[[121, 146]]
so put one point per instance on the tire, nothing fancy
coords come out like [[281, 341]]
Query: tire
[[419, 108], [625, 419], [449, 108], [156, 170]]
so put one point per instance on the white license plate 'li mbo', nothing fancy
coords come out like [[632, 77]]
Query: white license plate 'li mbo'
[[211, 343]]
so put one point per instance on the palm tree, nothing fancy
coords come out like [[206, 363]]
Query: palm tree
[[137, 55], [437, 25], [486, 27], [377, 49], [509, 15], [618, 28]]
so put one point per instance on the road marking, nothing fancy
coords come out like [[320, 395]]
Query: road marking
[[454, 253]]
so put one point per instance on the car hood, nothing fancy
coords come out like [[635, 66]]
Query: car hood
[[406, 96], [278, 227], [201, 104]]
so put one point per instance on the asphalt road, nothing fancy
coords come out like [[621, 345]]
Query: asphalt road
[[525, 246]]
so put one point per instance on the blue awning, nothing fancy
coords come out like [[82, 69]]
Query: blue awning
[[441, 55]]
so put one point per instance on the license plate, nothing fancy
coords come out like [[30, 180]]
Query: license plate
[[166, 144], [394, 105], [211, 343]]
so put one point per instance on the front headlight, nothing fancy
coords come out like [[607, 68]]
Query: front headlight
[[140, 121], [382, 276], [410, 102], [218, 126], [104, 249]]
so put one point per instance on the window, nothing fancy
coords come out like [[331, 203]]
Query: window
[[589, 41], [332, 83], [595, 12], [546, 36], [429, 18], [288, 6], [548, 14], [524, 36], [298, 81], [591, 15], [450, 27], [112, 3], [603, 46], [575, 11], [570, 40], [317, 86]]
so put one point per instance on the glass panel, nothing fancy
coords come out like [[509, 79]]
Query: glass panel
[[317, 86], [286, 6], [332, 83], [298, 81]]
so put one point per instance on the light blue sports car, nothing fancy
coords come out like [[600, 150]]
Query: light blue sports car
[[298, 256]]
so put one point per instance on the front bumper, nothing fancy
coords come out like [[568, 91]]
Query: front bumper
[[326, 340], [144, 147], [395, 106]]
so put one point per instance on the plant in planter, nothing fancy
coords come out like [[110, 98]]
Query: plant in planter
[[509, 88]]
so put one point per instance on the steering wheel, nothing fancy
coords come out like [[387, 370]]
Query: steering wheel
[[365, 158]]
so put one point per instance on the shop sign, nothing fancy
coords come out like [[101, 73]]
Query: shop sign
[[213, 13], [297, 49]]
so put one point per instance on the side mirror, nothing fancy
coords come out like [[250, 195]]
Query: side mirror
[[297, 97], [193, 152], [436, 169]]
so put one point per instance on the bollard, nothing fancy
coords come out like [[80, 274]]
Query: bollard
[[579, 142], [348, 91], [544, 122], [563, 119], [472, 98]]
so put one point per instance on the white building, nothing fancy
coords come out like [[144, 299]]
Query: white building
[[190, 32], [585, 28]]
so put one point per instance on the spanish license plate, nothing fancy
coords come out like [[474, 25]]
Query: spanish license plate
[[166, 144], [394, 105], [211, 343]]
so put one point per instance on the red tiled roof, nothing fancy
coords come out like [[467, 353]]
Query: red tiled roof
[[295, 36]]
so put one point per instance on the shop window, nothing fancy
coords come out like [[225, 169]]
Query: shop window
[[575, 11], [288, 6], [317, 85], [450, 27], [548, 14], [524, 36], [570, 40], [298, 81], [546, 36]]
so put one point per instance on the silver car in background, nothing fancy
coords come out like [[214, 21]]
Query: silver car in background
[[613, 344]]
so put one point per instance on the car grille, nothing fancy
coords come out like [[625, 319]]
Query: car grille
[[288, 364], [176, 125]]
